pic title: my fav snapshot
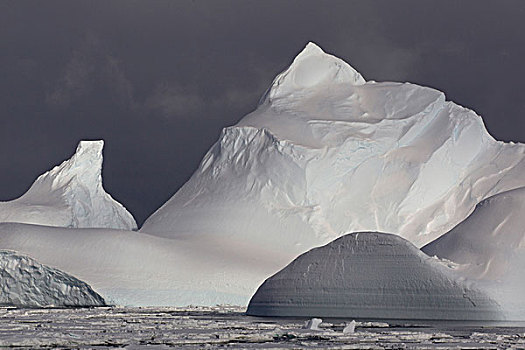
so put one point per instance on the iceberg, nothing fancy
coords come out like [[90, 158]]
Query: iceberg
[[26, 283], [373, 276], [326, 153], [70, 195]]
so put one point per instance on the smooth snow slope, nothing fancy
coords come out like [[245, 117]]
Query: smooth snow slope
[[70, 195], [133, 268], [26, 283], [326, 153], [371, 275], [490, 248]]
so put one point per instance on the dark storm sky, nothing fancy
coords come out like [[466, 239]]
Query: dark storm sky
[[157, 80]]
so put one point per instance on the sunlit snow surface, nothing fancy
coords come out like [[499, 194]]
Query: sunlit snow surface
[[158, 328], [327, 153]]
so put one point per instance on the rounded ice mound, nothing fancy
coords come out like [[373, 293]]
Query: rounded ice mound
[[70, 195], [370, 275], [26, 283], [312, 68]]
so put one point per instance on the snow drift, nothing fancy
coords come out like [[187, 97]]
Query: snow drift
[[26, 283], [489, 247], [326, 153], [70, 195], [370, 275], [132, 268]]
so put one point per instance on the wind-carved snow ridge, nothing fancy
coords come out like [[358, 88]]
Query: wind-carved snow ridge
[[26, 283], [70, 195], [327, 153]]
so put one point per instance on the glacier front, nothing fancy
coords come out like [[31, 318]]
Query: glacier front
[[70, 195]]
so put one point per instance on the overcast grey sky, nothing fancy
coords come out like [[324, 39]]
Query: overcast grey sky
[[158, 80]]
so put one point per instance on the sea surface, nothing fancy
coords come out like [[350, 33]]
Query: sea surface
[[229, 327]]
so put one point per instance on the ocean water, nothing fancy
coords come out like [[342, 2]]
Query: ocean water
[[229, 327]]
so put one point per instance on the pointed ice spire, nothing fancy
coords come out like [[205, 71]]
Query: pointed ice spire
[[311, 68], [85, 165], [71, 194]]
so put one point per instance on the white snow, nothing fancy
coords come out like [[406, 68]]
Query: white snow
[[313, 324], [133, 268], [327, 153], [324, 154], [489, 247], [372, 276], [26, 283], [70, 195], [349, 328]]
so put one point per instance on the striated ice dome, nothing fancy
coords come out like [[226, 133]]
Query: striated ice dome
[[371, 275]]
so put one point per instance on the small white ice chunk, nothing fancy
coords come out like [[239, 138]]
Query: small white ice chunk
[[349, 328], [313, 324]]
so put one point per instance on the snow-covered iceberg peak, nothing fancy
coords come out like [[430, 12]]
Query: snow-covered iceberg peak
[[327, 153], [71, 195], [312, 68], [85, 166]]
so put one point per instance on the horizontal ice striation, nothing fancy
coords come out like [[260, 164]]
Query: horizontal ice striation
[[70, 195], [371, 275], [327, 153], [26, 283], [489, 247]]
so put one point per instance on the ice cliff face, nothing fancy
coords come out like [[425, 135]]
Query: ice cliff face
[[26, 283], [371, 275], [70, 195], [326, 153]]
